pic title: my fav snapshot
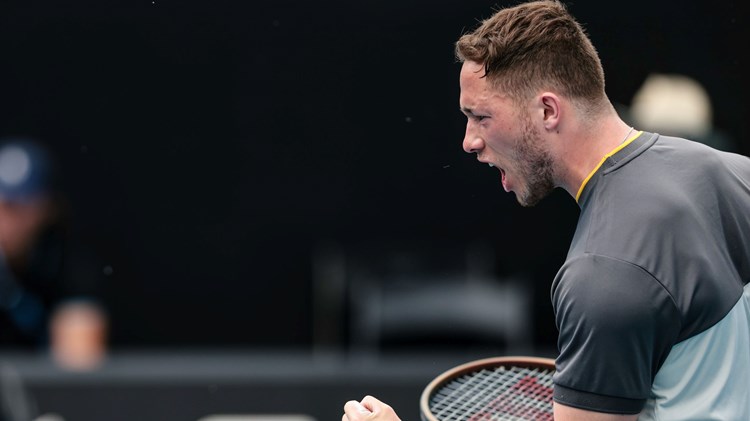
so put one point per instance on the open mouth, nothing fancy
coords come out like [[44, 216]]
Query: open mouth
[[503, 180]]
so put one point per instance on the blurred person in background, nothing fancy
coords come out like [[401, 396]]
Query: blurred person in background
[[48, 289]]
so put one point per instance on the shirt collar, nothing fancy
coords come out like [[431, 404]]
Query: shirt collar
[[613, 157]]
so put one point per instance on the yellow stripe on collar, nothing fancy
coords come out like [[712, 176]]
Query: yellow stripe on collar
[[614, 151]]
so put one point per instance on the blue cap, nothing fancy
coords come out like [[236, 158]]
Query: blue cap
[[25, 170]]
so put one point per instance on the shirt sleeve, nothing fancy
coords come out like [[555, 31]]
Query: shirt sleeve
[[617, 325]]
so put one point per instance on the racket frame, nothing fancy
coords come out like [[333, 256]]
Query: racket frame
[[476, 365]]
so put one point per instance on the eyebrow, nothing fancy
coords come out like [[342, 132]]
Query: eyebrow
[[466, 110]]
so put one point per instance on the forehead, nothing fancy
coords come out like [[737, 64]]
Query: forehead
[[476, 90], [471, 78]]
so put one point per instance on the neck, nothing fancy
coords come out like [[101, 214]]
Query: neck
[[585, 146]]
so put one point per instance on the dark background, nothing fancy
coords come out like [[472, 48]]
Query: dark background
[[211, 149]]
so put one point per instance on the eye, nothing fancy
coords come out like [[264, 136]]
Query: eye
[[480, 117]]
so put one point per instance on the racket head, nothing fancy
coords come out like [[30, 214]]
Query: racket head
[[500, 388]]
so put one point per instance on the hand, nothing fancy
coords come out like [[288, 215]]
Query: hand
[[370, 409], [79, 335]]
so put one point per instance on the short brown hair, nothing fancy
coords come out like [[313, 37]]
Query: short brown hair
[[536, 45]]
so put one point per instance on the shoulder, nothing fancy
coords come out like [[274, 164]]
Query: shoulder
[[602, 302], [607, 286], [617, 324]]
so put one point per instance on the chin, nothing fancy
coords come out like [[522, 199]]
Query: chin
[[530, 199]]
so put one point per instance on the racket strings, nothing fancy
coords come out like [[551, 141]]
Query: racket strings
[[500, 393]]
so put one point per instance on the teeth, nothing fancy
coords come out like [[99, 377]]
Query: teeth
[[490, 164]]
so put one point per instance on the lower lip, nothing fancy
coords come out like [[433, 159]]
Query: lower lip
[[504, 181]]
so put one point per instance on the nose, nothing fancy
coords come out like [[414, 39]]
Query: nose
[[472, 143]]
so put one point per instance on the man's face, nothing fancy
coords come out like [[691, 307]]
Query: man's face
[[20, 225], [502, 134]]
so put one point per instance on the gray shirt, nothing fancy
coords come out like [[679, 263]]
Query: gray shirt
[[660, 256]]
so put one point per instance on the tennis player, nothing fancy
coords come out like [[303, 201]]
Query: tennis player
[[652, 303]]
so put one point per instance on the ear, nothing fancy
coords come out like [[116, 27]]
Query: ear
[[551, 110]]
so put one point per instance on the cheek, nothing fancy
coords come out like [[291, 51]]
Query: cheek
[[501, 134], [501, 145]]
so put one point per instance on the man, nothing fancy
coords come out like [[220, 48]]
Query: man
[[651, 303], [47, 292]]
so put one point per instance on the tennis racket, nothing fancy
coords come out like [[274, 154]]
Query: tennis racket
[[502, 388]]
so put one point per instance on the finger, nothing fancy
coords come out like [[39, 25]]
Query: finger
[[355, 411], [378, 407], [371, 403]]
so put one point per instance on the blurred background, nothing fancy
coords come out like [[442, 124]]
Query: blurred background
[[271, 198]]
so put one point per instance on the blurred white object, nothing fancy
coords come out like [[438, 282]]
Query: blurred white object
[[673, 104], [677, 105], [15, 165]]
